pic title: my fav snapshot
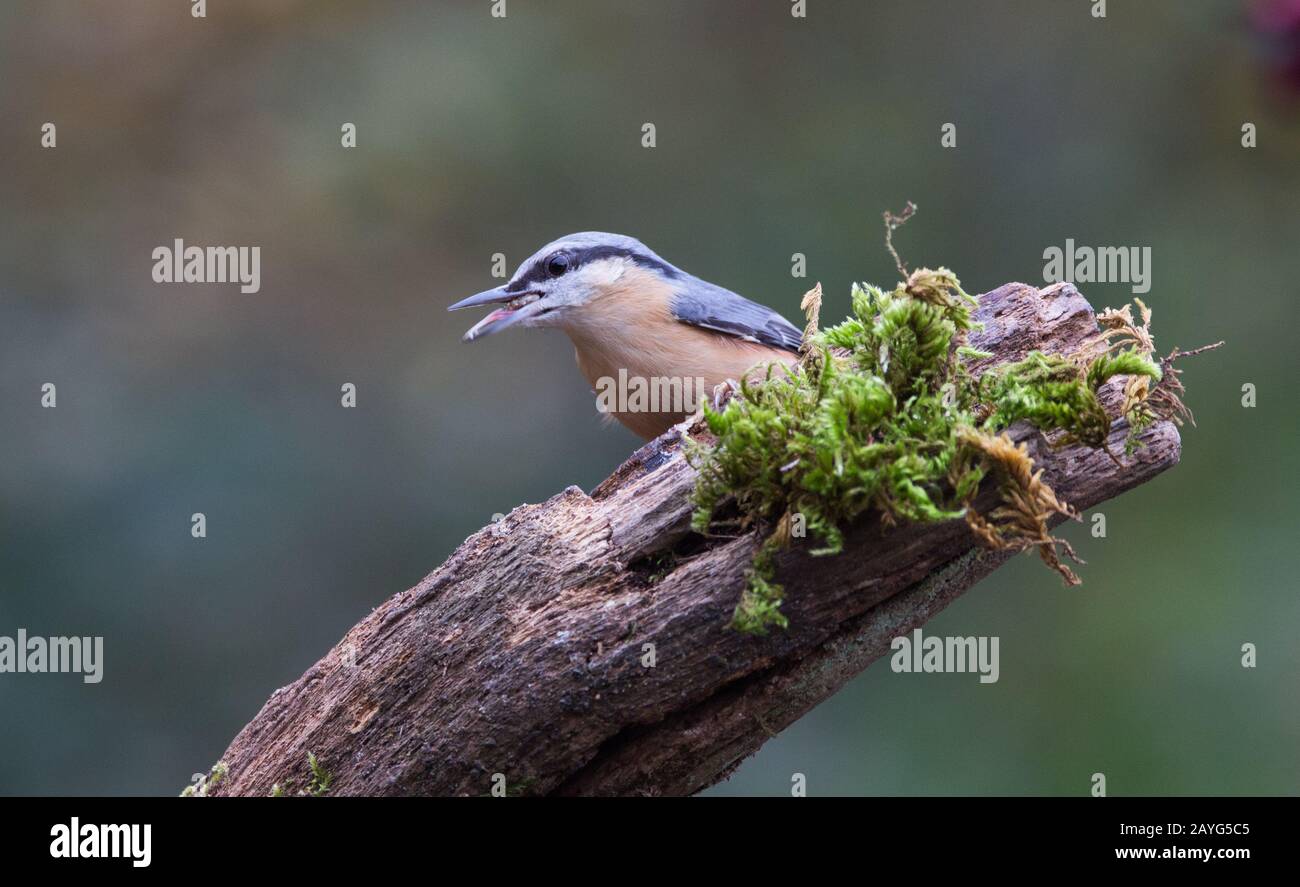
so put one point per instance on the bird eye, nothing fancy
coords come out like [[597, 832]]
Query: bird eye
[[557, 264]]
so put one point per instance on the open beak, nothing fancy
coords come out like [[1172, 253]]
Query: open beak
[[514, 308]]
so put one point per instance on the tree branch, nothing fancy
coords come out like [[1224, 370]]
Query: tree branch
[[524, 654]]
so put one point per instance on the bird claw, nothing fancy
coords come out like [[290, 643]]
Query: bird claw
[[723, 392]]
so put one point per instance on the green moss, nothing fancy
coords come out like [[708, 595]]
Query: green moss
[[760, 602], [882, 415], [206, 783], [657, 565], [1049, 392], [318, 782], [320, 778]]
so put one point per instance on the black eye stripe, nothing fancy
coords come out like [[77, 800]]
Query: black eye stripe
[[539, 271], [595, 253]]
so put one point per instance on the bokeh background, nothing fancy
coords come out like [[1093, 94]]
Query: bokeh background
[[479, 135]]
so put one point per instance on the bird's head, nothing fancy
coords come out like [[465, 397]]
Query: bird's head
[[555, 284]]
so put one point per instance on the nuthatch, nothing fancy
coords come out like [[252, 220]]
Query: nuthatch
[[627, 309]]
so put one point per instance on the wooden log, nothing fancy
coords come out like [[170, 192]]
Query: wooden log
[[525, 654]]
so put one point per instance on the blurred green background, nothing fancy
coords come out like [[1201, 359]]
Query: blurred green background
[[479, 135]]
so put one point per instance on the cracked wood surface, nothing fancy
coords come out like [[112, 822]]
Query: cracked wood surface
[[522, 654]]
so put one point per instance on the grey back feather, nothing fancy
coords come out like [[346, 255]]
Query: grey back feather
[[711, 307]]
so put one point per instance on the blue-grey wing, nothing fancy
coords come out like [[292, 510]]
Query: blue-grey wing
[[714, 308]]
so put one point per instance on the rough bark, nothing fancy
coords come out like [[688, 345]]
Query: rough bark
[[522, 654]]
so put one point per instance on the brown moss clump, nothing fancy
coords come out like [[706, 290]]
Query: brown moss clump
[[1020, 522]]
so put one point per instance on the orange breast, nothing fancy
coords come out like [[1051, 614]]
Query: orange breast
[[627, 342]]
